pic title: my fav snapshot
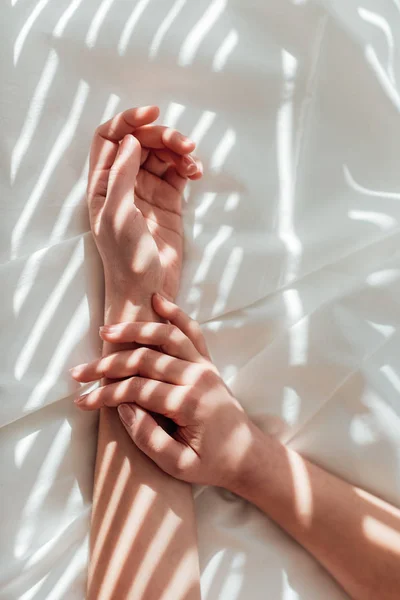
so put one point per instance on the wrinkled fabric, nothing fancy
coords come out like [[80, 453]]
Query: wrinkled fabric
[[292, 258]]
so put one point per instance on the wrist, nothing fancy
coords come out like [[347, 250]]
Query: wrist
[[250, 467], [128, 308], [128, 301]]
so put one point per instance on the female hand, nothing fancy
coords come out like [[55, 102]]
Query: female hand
[[137, 175], [213, 433]]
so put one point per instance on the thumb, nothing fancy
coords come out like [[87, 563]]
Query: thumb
[[153, 440], [123, 173]]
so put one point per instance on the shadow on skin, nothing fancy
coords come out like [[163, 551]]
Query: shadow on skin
[[293, 502], [73, 57], [139, 534]]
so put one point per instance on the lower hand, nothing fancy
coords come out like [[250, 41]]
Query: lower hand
[[213, 433]]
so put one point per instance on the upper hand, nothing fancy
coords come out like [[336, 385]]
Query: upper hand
[[213, 433], [137, 175]]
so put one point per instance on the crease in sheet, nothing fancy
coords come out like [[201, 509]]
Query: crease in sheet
[[301, 278], [285, 332], [348, 377]]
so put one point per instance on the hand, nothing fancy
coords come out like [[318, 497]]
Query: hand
[[213, 433], [137, 175]]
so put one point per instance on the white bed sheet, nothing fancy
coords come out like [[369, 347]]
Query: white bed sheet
[[291, 259]]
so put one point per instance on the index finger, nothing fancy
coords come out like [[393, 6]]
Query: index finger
[[108, 135], [175, 315], [167, 337]]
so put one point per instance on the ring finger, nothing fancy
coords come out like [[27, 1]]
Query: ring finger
[[158, 397]]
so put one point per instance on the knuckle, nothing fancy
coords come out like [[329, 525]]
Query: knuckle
[[104, 365], [170, 330], [172, 309], [189, 409], [142, 352], [208, 376], [135, 386], [174, 335], [141, 437], [108, 399], [98, 396], [176, 469], [111, 395], [182, 467], [173, 406], [144, 359], [166, 333], [168, 134], [195, 327], [118, 169], [107, 219], [123, 390], [188, 402]]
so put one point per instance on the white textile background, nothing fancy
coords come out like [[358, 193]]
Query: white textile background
[[292, 256]]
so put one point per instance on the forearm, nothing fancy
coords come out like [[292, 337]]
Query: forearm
[[354, 535], [143, 536]]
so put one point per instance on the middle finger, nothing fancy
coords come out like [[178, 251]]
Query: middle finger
[[157, 137], [145, 362]]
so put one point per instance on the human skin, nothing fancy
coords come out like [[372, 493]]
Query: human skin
[[143, 534], [353, 534]]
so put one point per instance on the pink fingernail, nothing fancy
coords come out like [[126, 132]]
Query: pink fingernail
[[111, 328], [188, 160], [187, 140], [191, 170], [126, 145], [183, 138], [159, 297], [127, 414], [75, 371], [80, 399], [144, 109]]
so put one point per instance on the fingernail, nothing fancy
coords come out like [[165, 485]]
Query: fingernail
[[127, 414], [159, 297], [188, 160], [110, 329], [80, 399], [183, 138], [125, 146], [144, 109], [75, 371], [191, 170]]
